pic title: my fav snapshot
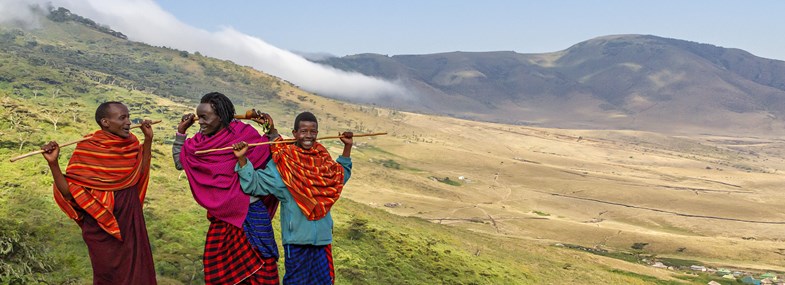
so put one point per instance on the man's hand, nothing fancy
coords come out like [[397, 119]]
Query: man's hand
[[270, 123], [147, 129], [266, 121], [185, 123], [51, 151], [239, 150], [346, 138]]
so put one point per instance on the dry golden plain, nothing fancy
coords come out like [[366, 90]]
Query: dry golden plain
[[716, 199]]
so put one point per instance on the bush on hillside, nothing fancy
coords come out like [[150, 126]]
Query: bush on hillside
[[21, 262]]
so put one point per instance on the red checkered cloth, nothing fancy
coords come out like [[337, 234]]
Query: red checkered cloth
[[230, 259], [268, 275]]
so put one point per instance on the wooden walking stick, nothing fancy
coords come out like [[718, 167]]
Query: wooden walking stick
[[41, 151], [71, 142], [250, 114], [285, 141]]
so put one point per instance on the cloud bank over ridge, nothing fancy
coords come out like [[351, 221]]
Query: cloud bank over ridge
[[145, 21]]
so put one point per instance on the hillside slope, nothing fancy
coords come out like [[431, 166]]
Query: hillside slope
[[635, 82], [51, 80]]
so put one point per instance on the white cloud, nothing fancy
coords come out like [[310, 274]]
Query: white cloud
[[145, 21], [17, 12]]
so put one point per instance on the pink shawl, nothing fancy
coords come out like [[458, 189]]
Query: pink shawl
[[213, 181]]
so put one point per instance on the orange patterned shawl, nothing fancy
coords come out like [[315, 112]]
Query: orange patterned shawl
[[313, 178], [99, 166]]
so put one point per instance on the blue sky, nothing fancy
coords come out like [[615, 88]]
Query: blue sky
[[419, 27], [271, 36]]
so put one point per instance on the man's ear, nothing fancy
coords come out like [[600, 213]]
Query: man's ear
[[104, 123], [294, 133]]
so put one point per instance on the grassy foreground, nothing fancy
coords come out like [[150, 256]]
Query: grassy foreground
[[52, 79], [371, 246]]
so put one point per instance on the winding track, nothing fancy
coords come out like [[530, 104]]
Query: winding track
[[663, 211]]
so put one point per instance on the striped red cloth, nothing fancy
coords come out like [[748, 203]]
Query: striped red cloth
[[313, 178], [100, 165]]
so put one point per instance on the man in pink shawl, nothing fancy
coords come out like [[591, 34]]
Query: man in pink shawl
[[240, 247]]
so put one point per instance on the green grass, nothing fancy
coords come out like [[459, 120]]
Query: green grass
[[446, 180], [71, 69], [647, 279], [372, 247], [389, 163], [540, 213], [620, 255], [675, 262]]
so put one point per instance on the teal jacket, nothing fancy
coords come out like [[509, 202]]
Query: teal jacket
[[295, 227]]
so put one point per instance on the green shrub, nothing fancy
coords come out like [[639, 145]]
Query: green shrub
[[22, 260], [389, 163]]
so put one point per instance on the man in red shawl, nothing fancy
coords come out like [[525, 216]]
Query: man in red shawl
[[103, 190], [307, 181], [240, 246]]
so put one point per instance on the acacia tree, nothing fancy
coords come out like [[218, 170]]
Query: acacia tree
[[23, 135], [52, 116], [15, 119], [74, 106]]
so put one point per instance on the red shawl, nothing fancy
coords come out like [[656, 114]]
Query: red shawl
[[100, 165], [312, 176]]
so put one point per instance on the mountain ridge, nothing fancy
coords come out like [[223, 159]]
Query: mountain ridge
[[636, 82], [53, 78], [508, 222]]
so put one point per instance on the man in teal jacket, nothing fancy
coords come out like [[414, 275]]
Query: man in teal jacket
[[307, 181]]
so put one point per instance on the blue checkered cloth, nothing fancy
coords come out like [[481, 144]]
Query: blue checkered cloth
[[308, 264], [259, 230]]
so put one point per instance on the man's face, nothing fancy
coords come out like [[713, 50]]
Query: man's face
[[209, 122], [117, 121], [306, 134]]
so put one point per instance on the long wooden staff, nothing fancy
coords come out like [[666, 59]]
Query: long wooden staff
[[72, 142], [285, 141], [250, 114]]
